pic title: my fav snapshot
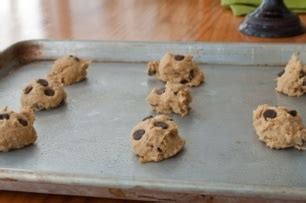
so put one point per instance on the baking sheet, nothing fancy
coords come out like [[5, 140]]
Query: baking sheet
[[85, 143]]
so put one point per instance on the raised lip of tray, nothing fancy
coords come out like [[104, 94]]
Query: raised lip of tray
[[27, 51]]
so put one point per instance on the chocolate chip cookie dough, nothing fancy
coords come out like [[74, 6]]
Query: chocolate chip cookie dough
[[292, 80], [16, 129], [171, 98], [279, 127], [177, 69], [156, 138], [43, 94], [70, 69]]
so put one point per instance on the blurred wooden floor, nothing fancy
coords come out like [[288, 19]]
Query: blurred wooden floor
[[162, 20], [138, 20]]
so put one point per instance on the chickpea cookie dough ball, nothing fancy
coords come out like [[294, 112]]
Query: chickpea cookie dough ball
[[156, 138], [43, 94], [279, 127], [177, 69], [292, 80], [16, 129], [70, 69], [174, 97]]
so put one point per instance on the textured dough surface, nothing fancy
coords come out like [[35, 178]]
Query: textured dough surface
[[177, 69], [158, 139], [42, 95], [292, 81], [174, 97], [16, 129], [279, 127], [69, 69]]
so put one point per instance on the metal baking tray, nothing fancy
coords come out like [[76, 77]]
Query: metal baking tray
[[83, 147]]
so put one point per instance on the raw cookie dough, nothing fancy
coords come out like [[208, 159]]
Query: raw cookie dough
[[279, 127], [156, 138], [292, 80], [177, 69], [43, 94], [70, 69], [174, 97], [16, 129]]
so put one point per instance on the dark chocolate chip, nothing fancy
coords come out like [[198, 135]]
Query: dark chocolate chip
[[280, 73], [269, 114], [184, 81], [293, 113], [146, 118], [4, 116], [161, 125], [77, 59], [160, 91], [28, 89], [191, 75], [302, 73], [159, 150], [49, 92], [43, 82], [137, 135], [179, 57], [151, 72], [175, 93], [23, 121]]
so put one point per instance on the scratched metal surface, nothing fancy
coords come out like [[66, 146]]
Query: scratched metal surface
[[86, 141]]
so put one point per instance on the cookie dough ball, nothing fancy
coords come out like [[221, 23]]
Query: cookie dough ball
[[43, 94], [177, 69], [156, 138], [172, 98], [292, 80], [279, 127], [70, 69], [16, 129]]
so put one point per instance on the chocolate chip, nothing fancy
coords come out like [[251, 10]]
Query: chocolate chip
[[4, 116], [160, 91], [151, 72], [49, 92], [175, 93], [43, 82], [28, 89], [75, 58], [161, 125], [280, 73], [302, 73], [137, 135], [159, 150], [269, 114], [293, 113], [146, 118], [23, 121], [184, 81], [191, 75], [179, 57]]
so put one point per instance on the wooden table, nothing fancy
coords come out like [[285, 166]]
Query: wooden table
[[140, 20]]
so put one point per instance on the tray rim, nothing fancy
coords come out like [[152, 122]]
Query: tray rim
[[282, 51], [297, 193]]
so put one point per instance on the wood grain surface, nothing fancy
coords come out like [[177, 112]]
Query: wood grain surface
[[133, 20]]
